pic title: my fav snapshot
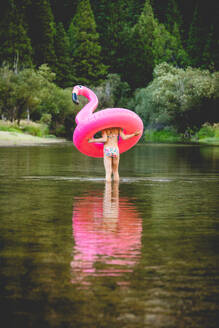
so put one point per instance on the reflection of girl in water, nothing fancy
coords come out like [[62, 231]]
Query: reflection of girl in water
[[111, 150], [106, 230], [111, 203]]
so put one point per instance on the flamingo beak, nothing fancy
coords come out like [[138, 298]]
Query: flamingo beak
[[75, 98]]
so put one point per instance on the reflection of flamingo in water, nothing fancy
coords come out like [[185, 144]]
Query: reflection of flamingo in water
[[88, 124], [106, 231]]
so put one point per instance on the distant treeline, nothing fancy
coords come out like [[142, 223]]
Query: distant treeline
[[159, 58], [84, 40]]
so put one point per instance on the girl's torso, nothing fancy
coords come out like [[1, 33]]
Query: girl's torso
[[112, 137]]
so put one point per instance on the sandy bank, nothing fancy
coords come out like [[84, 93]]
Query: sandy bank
[[20, 139]]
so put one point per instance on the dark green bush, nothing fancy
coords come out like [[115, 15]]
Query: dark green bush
[[166, 135], [206, 131]]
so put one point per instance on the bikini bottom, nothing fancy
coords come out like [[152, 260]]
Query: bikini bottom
[[111, 151]]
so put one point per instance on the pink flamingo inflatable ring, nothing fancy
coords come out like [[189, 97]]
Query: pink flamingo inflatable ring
[[89, 123]]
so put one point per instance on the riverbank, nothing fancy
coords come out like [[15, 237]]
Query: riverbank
[[210, 141], [21, 139], [8, 139], [207, 135]]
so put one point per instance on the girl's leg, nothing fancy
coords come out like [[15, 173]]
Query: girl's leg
[[108, 167], [115, 167]]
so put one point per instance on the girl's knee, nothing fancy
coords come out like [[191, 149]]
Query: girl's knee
[[115, 167]]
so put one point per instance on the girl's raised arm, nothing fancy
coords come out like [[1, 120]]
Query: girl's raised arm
[[128, 136], [103, 139]]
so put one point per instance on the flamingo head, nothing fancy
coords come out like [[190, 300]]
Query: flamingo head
[[77, 91]]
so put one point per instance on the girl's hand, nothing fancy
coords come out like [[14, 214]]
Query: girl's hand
[[136, 133], [90, 140]]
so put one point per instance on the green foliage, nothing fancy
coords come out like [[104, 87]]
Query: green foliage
[[71, 33], [194, 44], [57, 102], [33, 90], [33, 128], [88, 64], [15, 49], [7, 90], [206, 131], [63, 10], [208, 61], [124, 35], [166, 136], [60, 130], [177, 97], [216, 130], [63, 67], [46, 73], [150, 43], [167, 47], [173, 16], [23, 91], [112, 92], [46, 118], [9, 129], [141, 47], [208, 134], [114, 20], [132, 38], [202, 44], [38, 131], [42, 31]]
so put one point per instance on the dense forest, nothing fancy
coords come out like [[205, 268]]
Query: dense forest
[[159, 58]]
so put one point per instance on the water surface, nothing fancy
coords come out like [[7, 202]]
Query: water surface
[[76, 252]]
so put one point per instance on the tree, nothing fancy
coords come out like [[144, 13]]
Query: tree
[[210, 55], [160, 8], [15, 44], [173, 16], [166, 48], [139, 49], [194, 44], [112, 18], [174, 25], [111, 22], [72, 34], [64, 65], [24, 90], [8, 82], [63, 11], [150, 43], [183, 98], [113, 92], [42, 32], [87, 51]]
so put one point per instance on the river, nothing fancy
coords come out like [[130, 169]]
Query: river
[[76, 252]]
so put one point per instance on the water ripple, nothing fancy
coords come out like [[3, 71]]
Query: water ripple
[[188, 179]]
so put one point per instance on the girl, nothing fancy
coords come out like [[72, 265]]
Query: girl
[[111, 150]]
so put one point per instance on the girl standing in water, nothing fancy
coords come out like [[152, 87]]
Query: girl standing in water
[[111, 150]]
